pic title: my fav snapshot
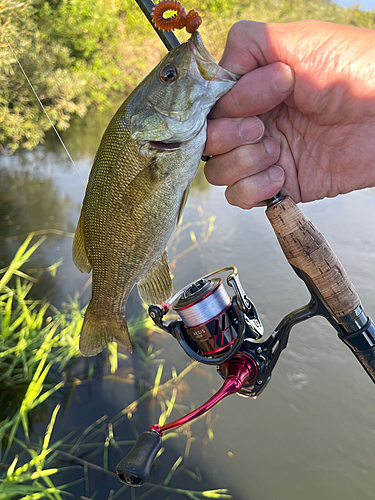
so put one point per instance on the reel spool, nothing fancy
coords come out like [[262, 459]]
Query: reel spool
[[205, 309]]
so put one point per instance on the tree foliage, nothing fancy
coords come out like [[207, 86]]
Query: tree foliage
[[68, 50], [76, 52]]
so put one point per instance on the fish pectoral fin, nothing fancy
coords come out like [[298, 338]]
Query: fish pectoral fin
[[79, 249], [98, 329], [183, 203], [144, 185], [157, 287]]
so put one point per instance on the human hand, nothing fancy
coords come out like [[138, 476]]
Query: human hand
[[312, 84]]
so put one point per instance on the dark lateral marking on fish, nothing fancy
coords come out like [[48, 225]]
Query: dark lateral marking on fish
[[162, 146], [143, 186], [183, 203]]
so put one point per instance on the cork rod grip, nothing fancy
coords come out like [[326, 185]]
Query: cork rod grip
[[306, 249]]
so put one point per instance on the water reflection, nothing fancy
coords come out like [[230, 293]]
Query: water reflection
[[30, 202]]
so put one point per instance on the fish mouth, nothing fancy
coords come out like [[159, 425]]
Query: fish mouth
[[163, 146], [196, 42], [207, 66]]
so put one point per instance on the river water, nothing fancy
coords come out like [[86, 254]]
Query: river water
[[311, 433]]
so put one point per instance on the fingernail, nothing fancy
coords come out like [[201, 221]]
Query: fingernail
[[284, 79], [252, 129], [276, 173], [272, 147]]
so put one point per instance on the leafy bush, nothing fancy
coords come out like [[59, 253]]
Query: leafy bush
[[69, 51]]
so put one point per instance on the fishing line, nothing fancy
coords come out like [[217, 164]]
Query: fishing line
[[41, 104]]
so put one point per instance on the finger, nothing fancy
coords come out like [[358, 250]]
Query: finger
[[242, 162], [251, 44], [256, 92], [252, 190], [226, 134], [244, 47]]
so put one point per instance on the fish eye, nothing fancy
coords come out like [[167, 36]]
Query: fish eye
[[168, 73]]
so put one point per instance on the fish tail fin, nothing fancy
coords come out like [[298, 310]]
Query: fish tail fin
[[98, 329]]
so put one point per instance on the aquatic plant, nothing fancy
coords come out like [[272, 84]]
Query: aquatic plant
[[32, 480]]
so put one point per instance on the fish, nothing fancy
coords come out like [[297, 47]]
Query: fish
[[138, 187]]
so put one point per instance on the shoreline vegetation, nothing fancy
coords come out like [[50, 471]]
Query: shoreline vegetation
[[79, 53], [41, 369]]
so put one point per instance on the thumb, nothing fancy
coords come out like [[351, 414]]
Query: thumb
[[251, 44], [256, 92], [248, 47], [253, 50]]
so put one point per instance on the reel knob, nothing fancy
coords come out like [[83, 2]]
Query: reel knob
[[135, 468]]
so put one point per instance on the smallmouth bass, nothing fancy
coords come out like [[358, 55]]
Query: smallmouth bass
[[138, 187]]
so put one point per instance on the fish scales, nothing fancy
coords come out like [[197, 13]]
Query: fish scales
[[138, 187]]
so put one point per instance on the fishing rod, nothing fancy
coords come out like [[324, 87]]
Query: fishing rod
[[216, 329]]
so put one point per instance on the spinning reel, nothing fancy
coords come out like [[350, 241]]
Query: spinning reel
[[215, 329]]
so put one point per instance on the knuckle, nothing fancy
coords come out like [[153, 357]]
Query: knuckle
[[242, 159], [234, 29], [212, 173], [243, 195], [239, 28]]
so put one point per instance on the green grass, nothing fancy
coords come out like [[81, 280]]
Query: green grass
[[31, 342], [38, 354]]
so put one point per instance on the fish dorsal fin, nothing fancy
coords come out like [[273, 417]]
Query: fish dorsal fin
[[183, 203], [79, 249], [156, 287]]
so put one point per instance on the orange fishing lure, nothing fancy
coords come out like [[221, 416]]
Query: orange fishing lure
[[190, 20]]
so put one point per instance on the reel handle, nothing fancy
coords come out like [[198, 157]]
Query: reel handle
[[307, 250], [135, 468]]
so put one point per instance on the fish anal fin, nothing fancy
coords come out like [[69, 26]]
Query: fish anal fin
[[157, 287], [98, 329], [79, 249]]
